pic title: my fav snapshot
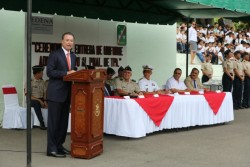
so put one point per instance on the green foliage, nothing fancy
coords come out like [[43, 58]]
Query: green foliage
[[240, 26]]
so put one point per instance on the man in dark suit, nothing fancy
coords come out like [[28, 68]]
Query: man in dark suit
[[60, 63]]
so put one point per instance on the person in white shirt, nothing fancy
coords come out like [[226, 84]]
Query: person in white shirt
[[203, 30], [201, 36], [178, 40], [211, 38], [201, 51], [174, 84], [247, 48], [241, 47], [238, 40], [192, 36], [211, 51], [229, 38], [220, 34], [148, 86], [218, 47], [221, 56]]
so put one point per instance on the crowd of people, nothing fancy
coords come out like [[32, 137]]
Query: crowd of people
[[235, 79], [212, 40]]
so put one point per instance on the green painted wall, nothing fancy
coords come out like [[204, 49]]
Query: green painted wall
[[12, 34]]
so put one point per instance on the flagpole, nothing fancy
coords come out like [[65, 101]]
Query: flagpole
[[28, 96]]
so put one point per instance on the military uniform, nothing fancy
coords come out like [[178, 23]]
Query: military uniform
[[208, 68], [148, 85], [145, 83], [130, 87], [120, 70], [246, 92], [38, 90], [237, 84], [227, 82]]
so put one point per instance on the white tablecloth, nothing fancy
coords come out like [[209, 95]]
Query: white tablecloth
[[125, 117]]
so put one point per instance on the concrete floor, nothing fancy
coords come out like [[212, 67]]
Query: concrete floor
[[207, 146]]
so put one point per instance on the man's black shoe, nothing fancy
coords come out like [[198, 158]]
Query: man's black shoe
[[55, 154], [42, 126], [64, 151], [241, 107]]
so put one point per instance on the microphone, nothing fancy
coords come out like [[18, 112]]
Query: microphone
[[77, 64]]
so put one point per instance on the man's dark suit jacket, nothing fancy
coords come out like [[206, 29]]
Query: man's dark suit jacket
[[57, 67]]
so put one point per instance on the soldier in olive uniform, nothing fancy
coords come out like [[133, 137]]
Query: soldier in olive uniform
[[238, 80], [246, 92], [207, 69], [38, 93], [119, 76], [120, 71], [228, 75], [125, 86]]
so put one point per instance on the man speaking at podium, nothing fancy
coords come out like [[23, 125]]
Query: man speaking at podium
[[60, 63]]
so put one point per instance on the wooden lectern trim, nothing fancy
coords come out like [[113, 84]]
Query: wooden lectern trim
[[86, 76]]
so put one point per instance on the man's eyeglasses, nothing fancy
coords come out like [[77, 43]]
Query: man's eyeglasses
[[178, 73]]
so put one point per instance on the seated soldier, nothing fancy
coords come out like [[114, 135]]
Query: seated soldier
[[125, 86], [193, 81], [38, 94], [148, 86], [120, 71]]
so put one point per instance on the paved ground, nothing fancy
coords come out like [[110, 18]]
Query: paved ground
[[206, 146]]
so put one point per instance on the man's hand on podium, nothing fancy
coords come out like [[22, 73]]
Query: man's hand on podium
[[70, 72]]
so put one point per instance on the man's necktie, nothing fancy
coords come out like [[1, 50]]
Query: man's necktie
[[68, 61], [106, 92], [195, 84]]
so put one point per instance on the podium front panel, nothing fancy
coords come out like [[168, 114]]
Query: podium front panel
[[87, 103]]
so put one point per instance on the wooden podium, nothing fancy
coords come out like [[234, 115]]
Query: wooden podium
[[87, 100]]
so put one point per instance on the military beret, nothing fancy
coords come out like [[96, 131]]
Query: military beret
[[110, 71], [127, 68], [147, 67], [37, 69], [120, 69]]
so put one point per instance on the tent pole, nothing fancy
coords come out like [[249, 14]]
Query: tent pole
[[187, 48], [28, 39]]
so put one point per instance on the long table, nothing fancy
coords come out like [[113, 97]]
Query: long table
[[125, 117]]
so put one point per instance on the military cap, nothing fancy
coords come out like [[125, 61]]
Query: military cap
[[37, 69], [147, 67], [110, 71], [120, 69], [127, 68]]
